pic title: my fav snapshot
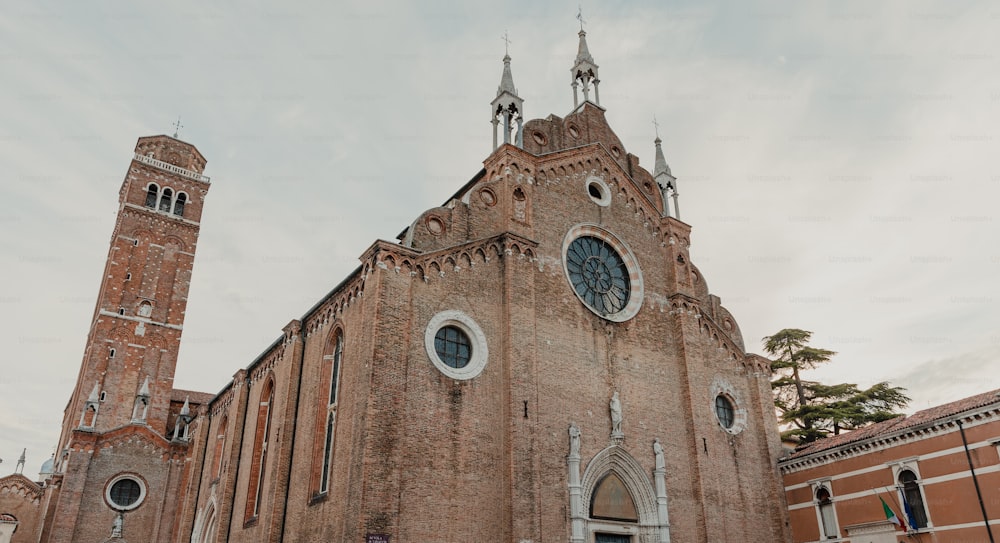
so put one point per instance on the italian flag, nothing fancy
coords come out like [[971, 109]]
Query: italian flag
[[889, 515]]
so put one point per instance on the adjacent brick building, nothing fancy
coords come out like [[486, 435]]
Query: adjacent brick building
[[536, 360], [835, 486]]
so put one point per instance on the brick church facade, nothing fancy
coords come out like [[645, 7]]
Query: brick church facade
[[538, 359]]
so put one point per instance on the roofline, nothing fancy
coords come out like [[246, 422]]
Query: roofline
[[281, 338], [796, 462]]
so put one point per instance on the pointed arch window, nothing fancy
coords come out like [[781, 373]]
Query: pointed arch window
[[611, 500], [220, 447], [326, 419], [913, 499], [179, 204], [165, 200], [259, 457], [152, 193]]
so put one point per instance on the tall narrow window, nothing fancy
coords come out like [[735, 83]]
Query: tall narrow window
[[151, 195], [913, 506], [179, 204], [338, 352], [259, 458], [331, 411], [220, 447], [165, 199], [826, 515], [326, 418]]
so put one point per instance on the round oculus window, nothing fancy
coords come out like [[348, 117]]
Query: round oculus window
[[598, 274], [456, 345], [125, 493], [453, 347], [603, 273], [724, 411]]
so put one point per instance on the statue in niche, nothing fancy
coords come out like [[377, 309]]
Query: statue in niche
[[616, 415], [574, 440], [658, 452]]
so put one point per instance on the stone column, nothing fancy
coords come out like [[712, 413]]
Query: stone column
[[578, 522]]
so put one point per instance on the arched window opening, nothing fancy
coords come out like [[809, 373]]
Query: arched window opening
[[328, 414], [338, 353], [611, 500], [151, 195], [826, 515], [520, 205], [89, 416], [260, 453], [165, 200], [220, 446], [913, 500], [211, 527], [179, 204], [145, 309]]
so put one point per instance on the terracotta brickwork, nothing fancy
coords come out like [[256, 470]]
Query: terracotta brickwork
[[420, 456], [857, 468], [510, 443], [124, 419], [22, 498]]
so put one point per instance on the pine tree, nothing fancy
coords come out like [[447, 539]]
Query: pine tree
[[812, 410]]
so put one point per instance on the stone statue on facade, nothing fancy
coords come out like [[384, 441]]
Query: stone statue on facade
[[658, 453], [119, 524], [574, 440], [616, 416]]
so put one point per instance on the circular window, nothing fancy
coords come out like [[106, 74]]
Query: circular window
[[599, 191], [598, 274], [725, 402], [125, 492], [603, 273], [574, 131], [724, 410], [488, 197], [435, 226], [453, 347], [539, 138], [456, 345]]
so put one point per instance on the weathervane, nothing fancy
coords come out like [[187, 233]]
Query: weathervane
[[177, 126], [506, 42], [579, 15]]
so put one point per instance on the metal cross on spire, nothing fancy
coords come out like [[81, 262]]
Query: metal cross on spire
[[506, 43], [579, 16], [656, 125], [177, 126]]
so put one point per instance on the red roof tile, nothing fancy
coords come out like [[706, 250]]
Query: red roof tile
[[901, 423]]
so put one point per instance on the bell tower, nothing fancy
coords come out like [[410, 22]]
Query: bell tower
[[127, 373]]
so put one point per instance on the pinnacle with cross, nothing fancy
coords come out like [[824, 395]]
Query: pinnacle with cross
[[579, 16], [656, 126], [177, 126], [506, 42]]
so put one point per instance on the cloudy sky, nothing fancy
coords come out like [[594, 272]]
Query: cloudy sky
[[837, 161]]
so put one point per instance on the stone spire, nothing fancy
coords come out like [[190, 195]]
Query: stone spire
[[584, 73], [507, 107], [184, 419], [666, 181], [20, 462], [88, 418], [95, 394]]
